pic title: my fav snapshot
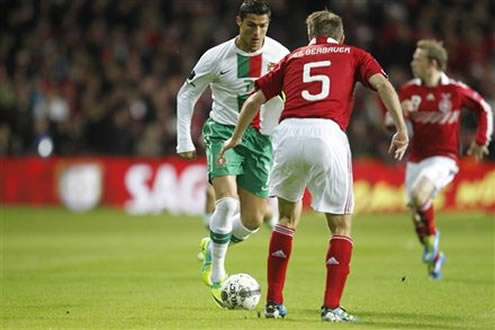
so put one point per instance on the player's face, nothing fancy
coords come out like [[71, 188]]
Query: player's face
[[421, 64], [252, 31]]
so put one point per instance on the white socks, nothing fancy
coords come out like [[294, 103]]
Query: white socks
[[220, 233], [239, 232]]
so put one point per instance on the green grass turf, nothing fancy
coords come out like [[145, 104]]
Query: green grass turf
[[106, 269]]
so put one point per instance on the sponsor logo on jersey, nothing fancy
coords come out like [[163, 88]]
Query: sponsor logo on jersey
[[416, 101], [445, 105]]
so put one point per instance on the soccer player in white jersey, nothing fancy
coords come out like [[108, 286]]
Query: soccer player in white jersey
[[433, 102], [312, 150], [241, 188]]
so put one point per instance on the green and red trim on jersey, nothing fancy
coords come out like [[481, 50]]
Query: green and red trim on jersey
[[249, 66]]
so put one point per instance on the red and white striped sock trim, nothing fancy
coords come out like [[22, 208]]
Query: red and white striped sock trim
[[346, 238], [284, 230]]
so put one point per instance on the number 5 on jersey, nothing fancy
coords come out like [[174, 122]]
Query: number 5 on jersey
[[323, 79]]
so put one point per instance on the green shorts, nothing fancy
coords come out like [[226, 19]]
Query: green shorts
[[251, 161]]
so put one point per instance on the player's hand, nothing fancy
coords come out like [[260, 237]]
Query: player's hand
[[399, 143], [407, 107], [478, 151], [189, 155], [229, 144]]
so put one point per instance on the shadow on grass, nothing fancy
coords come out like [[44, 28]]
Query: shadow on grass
[[411, 320], [469, 281], [406, 320], [410, 325], [409, 315]]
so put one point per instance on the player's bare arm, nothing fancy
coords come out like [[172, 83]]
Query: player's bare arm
[[249, 109], [389, 97]]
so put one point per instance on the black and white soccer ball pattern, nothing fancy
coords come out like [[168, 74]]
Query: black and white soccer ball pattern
[[241, 291]]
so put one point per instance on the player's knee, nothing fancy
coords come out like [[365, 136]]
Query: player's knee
[[339, 224], [228, 205], [421, 193], [287, 220], [418, 199], [252, 220], [225, 209]]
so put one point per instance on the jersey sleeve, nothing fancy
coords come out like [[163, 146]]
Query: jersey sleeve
[[474, 102], [201, 76], [367, 66], [271, 83]]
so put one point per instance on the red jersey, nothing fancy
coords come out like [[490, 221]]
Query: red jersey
[[436, 117], [318, 80]]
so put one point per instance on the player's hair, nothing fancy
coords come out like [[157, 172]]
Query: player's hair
[[434, 51], [256, 7], [325, 23]]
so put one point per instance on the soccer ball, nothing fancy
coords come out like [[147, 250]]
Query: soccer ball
[[241, 291]]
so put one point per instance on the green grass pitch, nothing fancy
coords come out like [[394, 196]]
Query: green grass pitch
[[105, 269]]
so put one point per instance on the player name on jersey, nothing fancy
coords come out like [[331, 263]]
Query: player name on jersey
[[322, 50]]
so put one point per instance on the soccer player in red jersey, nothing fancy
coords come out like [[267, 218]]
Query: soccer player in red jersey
[[312, 150], [433, 102]]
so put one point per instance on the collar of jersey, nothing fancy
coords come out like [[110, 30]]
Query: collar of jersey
[[323, 40], [444, 80], [243, 52]]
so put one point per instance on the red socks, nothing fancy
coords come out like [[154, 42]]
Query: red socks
[[337, 262], [424, 221], [278, 258]]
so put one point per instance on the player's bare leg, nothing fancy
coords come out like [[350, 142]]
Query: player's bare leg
[[209, 205], [252, 212], [424, 222], [279, 252], [338, 259]]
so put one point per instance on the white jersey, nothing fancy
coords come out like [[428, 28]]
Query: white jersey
[[230, 72]]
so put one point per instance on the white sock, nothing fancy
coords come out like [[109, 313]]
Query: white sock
[[220, 233], [207, 219], [218, 253], [239, 232]]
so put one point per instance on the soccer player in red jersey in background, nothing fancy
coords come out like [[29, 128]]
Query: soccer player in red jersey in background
[[312, 150], [433, 102]]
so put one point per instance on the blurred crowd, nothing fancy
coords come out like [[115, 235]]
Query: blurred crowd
[[101, 76]]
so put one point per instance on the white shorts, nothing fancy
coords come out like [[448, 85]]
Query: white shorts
[[439, 170], [313, 153]]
